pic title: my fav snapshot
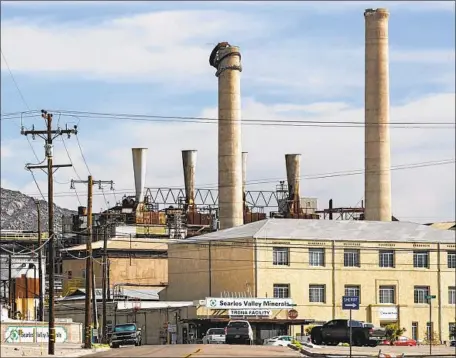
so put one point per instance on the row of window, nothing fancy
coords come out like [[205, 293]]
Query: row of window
[[386, 294], [386, 258], [430, 330]]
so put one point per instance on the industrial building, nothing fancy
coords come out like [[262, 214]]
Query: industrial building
[[130, 262], [391, 266]]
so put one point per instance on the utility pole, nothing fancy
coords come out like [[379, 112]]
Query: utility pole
[[49, 135], [89, 272], [40, 267], [104, 288]]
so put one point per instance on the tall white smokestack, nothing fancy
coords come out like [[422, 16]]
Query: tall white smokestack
[[139, 168], [227, 60], [189, 164], [377, 161]]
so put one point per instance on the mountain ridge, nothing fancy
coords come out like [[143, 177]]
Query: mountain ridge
[[19, 212]]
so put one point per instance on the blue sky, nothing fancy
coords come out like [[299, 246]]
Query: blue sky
[[301, 60]]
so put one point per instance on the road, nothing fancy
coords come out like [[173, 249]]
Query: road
[[199, 351]]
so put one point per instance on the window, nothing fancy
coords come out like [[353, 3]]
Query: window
[[420, 294], [429, 329], [70, 275], [415, 331], [452, 330], [353, 290], [281, 256], [451, 256], [351, 258], [421, 259], [317, 257], [387, 294], [386, 258], [452, 295], [281, 290], [317, 293], [83, 273]]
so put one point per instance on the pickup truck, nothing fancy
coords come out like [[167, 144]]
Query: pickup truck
[[238, 332], [214, 336], [338, 331], [125, 334]]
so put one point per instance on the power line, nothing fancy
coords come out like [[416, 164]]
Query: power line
[[308, 177], [246, 121]]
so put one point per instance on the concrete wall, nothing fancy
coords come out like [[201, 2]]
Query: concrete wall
[[231, 269], [151, 271], [26, 332]]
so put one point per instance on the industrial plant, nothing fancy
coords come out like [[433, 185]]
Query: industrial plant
[[184, 244]]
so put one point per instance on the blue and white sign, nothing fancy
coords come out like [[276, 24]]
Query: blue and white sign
[[350, 302]]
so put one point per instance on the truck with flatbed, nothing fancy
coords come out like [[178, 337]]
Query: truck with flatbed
[[125, 334], [338, 331]]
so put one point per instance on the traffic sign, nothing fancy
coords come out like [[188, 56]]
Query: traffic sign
[[350, 302], [430, 297]]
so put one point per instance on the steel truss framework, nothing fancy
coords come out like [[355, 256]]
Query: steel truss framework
[[209, 197]]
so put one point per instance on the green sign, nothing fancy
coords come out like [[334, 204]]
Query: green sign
[[430, 297]]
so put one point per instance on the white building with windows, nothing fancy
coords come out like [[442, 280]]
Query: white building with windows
[[395, 268]]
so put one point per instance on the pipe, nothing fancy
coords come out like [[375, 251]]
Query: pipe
[[244, 181], [293, 164], [139, 170], [377, 155], [189, 163], [227, 60]]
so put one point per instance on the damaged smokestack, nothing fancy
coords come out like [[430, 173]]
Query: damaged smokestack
[[227, 60], [189, 164], [139, 170], [377, 162], [293, 163]]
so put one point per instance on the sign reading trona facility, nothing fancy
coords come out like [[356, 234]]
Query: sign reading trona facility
[[255, 312], [217, 303]]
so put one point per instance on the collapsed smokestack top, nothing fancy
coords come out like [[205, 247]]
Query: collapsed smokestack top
[[222, 51], [189, 164], [139, 171]]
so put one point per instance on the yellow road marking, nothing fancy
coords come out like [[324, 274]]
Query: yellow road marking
[[189, 355]]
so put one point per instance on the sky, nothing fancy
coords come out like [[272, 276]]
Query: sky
[[301, 61]]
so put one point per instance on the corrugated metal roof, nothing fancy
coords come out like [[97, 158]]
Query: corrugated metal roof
[[139, 293], [126, 244], [339, 230]]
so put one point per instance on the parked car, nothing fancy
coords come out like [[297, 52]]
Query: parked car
[[125, 334], [338, 331], [214, 336], [404, 341], [283, 341], [453, 343], [238, 332]]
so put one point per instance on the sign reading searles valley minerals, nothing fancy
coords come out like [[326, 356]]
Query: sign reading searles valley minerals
[[248, 303]]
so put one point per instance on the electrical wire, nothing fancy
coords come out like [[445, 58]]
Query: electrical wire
[[74, 169], [82, 154], [246, 121], [306, 177]]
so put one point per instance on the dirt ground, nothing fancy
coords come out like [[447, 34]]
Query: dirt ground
[[41, 350]]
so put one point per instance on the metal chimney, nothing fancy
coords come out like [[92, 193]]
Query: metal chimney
[[244, 170], [139, 168], [227, 60], [377, 156], [293, 164], [189, 164]]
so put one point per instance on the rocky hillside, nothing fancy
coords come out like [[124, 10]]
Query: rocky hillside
[[19, 212]]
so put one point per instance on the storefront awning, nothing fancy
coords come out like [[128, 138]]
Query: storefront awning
[[301, 321]]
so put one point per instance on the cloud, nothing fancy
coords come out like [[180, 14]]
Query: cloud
[[171, 48], [418, 194]]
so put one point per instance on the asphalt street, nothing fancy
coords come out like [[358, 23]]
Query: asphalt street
[[199, 351]]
